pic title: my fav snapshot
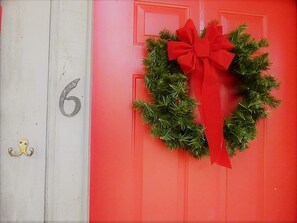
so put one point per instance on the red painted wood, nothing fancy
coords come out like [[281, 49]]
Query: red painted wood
[[134, 176], [262, 184]]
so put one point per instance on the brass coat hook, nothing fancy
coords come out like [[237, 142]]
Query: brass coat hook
[[23, 144]]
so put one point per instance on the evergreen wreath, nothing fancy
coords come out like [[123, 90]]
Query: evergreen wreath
[[170, 115]]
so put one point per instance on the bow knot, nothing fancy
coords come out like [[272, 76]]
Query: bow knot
[[202, 57], [201, 47]]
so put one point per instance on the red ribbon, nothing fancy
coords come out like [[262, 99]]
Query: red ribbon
[[204, 58]]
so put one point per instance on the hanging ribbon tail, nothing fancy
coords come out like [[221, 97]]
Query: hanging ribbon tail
[[223, 159], [213, 117]]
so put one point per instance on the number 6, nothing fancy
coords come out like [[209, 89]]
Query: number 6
[[64, 97]]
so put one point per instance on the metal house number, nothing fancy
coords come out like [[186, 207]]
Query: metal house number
[[64, 97]]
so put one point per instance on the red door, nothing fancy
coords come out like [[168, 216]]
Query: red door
[[134, 176]]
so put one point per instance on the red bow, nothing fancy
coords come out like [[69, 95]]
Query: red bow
[[203, 58]]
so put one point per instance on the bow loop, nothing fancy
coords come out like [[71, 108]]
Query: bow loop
[[221, 59], [213, 31], [222, 43], [188, 33], [178, 49], [187, 62]]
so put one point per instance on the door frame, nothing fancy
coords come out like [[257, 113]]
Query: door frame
[[68, 138]]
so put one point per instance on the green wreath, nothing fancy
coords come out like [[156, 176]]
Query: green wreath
[[170, 115]]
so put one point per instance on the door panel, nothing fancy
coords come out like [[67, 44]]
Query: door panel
[[150, 18], [134, 176]]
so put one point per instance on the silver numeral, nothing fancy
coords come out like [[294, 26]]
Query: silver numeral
[[64, 97]]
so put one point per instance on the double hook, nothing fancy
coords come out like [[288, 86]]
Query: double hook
[[23, 144]]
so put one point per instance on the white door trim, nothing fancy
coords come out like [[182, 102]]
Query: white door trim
[[67, 159]]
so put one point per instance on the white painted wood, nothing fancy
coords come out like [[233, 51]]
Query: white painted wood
[[23, 107], [59, 169], [68, 138]]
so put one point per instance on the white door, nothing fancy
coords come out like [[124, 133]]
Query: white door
[[44, 47]]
